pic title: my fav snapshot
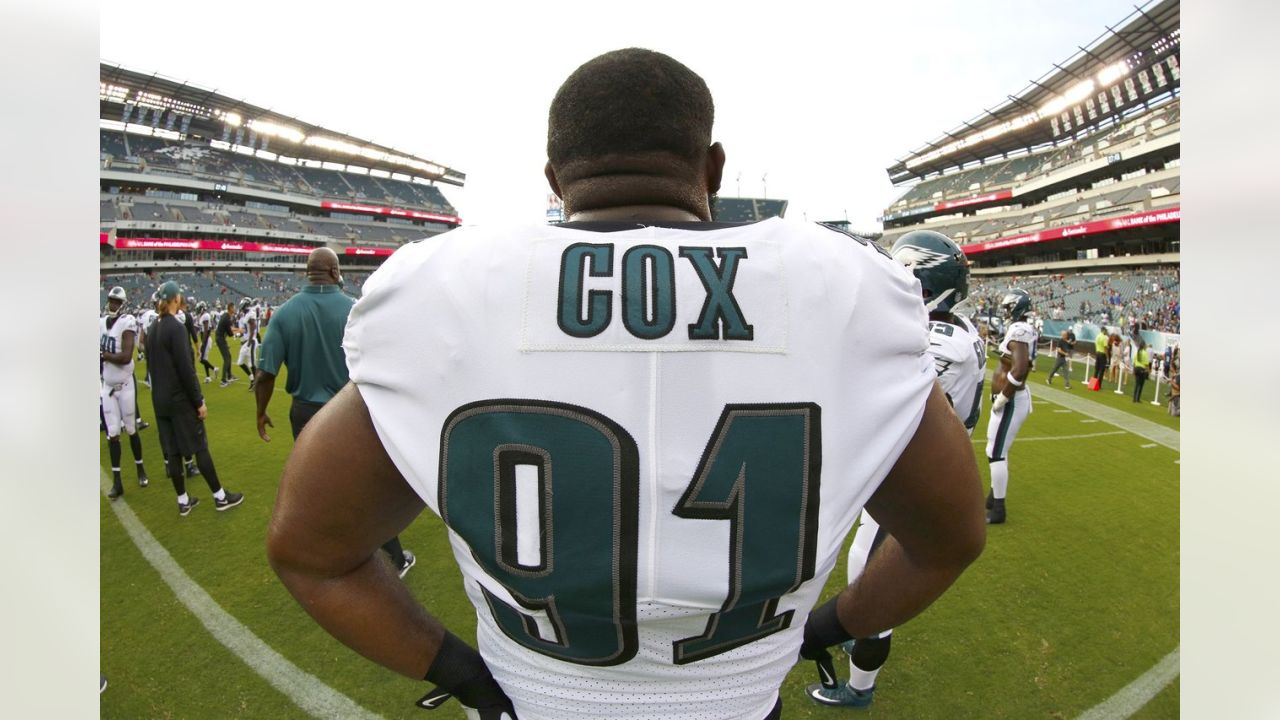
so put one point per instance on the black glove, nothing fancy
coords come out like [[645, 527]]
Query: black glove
[[821, 631], [459, 671]]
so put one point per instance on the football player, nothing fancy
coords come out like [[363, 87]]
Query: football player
[[959, 356], [119, 396], [205, 327], [647, 432], [145, 320], [247, 359], [1011, 402]]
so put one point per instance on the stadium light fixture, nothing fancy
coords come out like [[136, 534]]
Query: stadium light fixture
[[1112, 73], [263, 127], [232, 119]]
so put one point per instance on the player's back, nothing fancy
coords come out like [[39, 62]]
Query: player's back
[[651, 441]]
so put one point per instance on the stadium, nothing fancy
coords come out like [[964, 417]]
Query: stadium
[[1068, 188]]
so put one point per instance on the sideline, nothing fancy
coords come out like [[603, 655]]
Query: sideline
[[303, 689], [1154, 432], [1135, 695], [978, 441]]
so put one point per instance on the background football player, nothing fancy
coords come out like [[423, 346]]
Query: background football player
[[959, 355], [119, 394], [248, 357], [204, 325], [1012, 400]]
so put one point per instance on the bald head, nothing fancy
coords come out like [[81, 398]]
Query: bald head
[[322, 267]]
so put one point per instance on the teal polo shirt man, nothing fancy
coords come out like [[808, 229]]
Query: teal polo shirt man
[[305, 336]]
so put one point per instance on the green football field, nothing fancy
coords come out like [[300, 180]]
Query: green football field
[[1075, 598]]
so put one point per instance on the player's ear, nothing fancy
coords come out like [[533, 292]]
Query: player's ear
[[714, 168], [550, 172]]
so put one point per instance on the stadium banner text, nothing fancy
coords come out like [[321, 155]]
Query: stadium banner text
[[228, 245], [390, 211], [367, 251], [975, 200], [1153, 217]]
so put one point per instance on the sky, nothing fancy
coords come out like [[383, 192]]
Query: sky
[[814, 100]]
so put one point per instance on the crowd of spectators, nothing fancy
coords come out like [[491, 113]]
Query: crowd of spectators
[[1145, 299]]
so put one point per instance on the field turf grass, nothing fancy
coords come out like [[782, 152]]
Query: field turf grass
[[1074, 598]]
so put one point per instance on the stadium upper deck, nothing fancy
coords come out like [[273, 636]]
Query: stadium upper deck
[[1081, 165], [189, 176]]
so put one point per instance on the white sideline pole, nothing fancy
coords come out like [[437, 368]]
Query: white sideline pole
[[1156, 400], [1120, 379], [1088, 365]]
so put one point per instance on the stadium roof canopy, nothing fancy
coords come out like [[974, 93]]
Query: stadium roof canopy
[[129, 96], [1040, 114]]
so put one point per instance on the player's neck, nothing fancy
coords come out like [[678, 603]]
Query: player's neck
[[636, 213]]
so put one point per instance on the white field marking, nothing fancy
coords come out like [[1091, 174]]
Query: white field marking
[[305, 690], [1063, 437], [1148, 445], [1090, 420], [1133, 696], [1062, 411], [1141, 427]]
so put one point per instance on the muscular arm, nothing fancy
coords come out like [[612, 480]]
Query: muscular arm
[[931, 506], [1018, 367], [126, 350], [264, 385], [340, 498]]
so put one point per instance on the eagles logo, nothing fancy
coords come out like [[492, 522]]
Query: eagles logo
[[914, 256]]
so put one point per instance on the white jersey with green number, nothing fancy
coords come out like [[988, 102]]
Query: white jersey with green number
[[959, 356], [1019, 331], [111, 340], [648, 444]]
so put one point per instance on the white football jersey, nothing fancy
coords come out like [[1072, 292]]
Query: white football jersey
[[1019, 332], [960, 355], [648, 444], [206, 322], [148, 319], [111, 339]]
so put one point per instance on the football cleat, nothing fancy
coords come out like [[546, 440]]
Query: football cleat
[[192, 470], [143, 424], [409, 562], [115, 491], [996, 515], [184, 509], [143, 480], [841, 696]]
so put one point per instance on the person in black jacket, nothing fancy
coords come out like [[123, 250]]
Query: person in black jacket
[[223, 329], [178, 404]]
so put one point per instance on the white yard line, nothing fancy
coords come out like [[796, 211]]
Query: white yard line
[[1022, 439], [1133, 696], [305, 690], [1154, 432]]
